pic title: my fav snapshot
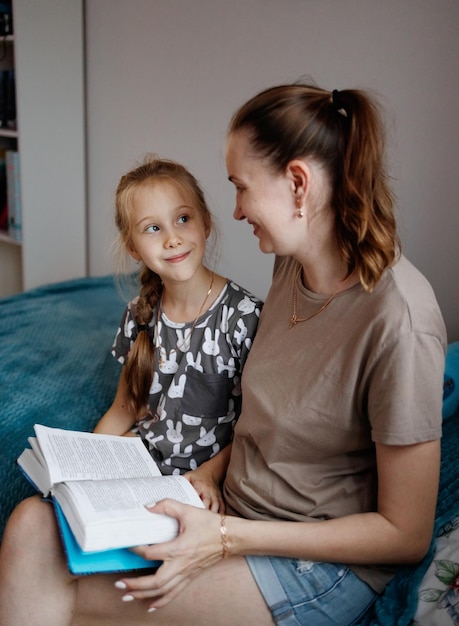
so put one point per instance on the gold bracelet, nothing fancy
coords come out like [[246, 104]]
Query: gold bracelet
[[224, 538]]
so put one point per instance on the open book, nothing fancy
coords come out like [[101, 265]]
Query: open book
[[101, 484]]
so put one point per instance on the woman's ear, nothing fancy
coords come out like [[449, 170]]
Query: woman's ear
[[207, 226], [298, 174]]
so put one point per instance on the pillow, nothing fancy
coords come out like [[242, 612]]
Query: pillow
[[451, 381], [438, 596]]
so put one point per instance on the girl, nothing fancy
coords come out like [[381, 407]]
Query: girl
[[184, 340]]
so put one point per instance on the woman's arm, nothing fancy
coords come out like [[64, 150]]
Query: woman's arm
[[118, 420], [398, 532]]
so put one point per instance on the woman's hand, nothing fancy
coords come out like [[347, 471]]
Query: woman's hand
[[208, 489], [197, 546]]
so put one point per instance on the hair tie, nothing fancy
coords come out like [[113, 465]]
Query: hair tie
[[338, 103], [141, 327]]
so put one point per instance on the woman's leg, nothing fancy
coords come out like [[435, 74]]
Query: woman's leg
[[37, 588], [35, 584], [222, 595]]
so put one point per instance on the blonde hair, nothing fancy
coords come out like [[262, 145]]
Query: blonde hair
[[140, 363], [343, 131]]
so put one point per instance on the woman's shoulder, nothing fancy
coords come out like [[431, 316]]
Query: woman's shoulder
[[410, 279], [407, 290]]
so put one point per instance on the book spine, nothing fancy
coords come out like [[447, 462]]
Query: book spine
[[10, 107], [3, 193], [3, 97], [13, 186]]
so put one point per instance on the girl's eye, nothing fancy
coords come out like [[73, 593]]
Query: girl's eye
[[183, 219], [152, 229]]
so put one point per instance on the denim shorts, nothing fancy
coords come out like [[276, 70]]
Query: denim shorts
[[305, 592]]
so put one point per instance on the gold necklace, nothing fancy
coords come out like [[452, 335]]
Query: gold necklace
[[187, 336], [294, 320]]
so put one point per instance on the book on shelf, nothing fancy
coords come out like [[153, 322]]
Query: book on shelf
[[3, 193], [99, 485], [6, 19], [13, 189], [8, 99]]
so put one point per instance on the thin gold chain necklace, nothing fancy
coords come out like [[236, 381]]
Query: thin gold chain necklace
[[294, 320], [187, 337]]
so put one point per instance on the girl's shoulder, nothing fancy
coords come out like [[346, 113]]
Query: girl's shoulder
[[238, 297]]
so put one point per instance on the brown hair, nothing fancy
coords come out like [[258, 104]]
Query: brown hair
[[343, 131], [140, 363]]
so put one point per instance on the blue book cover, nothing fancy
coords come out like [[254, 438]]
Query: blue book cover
[[107, 561]]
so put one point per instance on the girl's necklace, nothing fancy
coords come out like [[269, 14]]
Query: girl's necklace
[[187, 337], [295, 319]]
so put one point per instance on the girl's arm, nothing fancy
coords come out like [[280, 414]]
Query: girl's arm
[[398, 532], [118, 420]]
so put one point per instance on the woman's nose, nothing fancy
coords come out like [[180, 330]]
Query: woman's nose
[[238, 214]]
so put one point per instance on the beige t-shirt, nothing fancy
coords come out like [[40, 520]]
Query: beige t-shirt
[[369, 368]]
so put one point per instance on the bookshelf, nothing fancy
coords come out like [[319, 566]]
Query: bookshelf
[[46, 50]]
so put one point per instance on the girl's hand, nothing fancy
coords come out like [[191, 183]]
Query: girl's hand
[[197, 546], [208, 477], [208, 490]]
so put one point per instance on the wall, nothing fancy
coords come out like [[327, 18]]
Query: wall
[[166, 75]]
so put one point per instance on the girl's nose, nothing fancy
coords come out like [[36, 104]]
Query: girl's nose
[[173, 239]]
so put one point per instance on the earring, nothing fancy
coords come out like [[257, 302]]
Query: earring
[[299, 205]]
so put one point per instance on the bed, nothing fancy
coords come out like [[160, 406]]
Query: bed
[[56, 369]]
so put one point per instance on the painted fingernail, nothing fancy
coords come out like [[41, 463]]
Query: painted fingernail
[[120, 585], [127, 598], [151, 609]]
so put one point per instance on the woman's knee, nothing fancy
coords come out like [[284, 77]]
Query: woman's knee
[[29, 520]]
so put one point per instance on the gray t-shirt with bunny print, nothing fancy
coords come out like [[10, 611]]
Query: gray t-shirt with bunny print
[[195, 396]]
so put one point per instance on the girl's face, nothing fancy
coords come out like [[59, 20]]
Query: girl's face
[[264, 198], [167, 233]]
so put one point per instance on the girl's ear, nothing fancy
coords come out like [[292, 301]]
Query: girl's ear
[[133, 252]]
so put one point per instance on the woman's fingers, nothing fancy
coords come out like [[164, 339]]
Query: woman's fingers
[[197, 546]]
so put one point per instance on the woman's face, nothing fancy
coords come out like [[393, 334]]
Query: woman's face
[[264, 198]]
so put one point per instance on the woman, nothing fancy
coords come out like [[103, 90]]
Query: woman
[[335, 460]]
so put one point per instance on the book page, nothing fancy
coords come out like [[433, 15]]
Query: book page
[[126, 494], [109, 514], [35, 472], [73, 455]]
